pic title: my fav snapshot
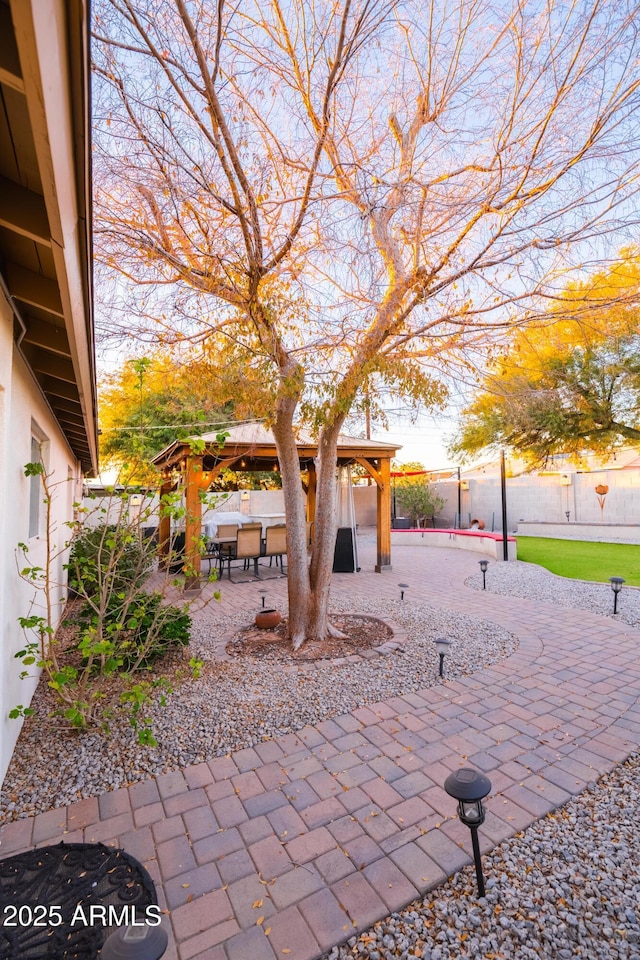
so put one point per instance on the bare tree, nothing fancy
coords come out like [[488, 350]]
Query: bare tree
[[357, 190]]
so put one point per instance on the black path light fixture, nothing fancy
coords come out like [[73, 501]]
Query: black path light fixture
[[483, 566], [469, 787], [403, 587], [136, 943], [442, 649], [263, 594], [616, 586]]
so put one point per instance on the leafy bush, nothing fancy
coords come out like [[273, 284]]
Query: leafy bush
[[108, 556], [149, 628], [121, 628]]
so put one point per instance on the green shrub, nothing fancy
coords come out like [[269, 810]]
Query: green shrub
[[417, 499], [137, 636], [116, 628], [108, 557]]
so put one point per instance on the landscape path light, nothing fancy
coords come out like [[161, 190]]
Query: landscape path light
[[135, 943], [403, 587], [483, 566], [616, 586], [263, 594], [442, 649], [469, 787]]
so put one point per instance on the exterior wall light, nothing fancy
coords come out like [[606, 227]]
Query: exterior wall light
[[616, 586], [469, 787], [442, 649], [135, 943], [483, 566]]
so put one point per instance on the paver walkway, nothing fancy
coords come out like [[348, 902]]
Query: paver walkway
[[289, 848]]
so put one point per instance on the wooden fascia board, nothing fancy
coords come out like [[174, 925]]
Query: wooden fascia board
[[47, 34]]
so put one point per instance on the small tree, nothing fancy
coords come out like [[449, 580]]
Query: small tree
[[417, 499], [118, 627]]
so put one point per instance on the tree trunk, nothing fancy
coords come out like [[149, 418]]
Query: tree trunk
[[308, 584], [298, 569], [324, 537]]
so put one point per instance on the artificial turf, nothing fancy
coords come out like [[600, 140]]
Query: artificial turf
[[582, 559]]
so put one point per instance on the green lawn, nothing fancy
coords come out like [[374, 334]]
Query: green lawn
[[583, 560]]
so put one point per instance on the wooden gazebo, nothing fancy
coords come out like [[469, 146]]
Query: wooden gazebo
[[254, 446]]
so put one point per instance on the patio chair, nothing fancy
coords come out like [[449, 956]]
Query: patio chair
[[220, 551], [248, 546], [276, 544], [254, 525]]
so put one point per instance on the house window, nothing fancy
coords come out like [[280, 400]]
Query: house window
[[36, 491]]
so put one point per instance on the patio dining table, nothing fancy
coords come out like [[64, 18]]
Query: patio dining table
[[214, 520], [266, 519]]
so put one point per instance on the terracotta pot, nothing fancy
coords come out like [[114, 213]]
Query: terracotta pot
[[268, 619]]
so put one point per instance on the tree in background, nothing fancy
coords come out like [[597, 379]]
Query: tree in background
[[415, 496], [151, 401], [569, 386], [355, 192]]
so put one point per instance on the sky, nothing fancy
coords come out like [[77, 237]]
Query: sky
[[470, 128], [422, 441]]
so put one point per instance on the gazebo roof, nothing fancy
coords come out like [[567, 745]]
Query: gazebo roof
[[256, 441]]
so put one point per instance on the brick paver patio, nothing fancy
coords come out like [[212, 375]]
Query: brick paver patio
[[286, 849]]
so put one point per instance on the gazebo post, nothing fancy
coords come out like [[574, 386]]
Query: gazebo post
[[311, 493], [384, 515], [193, 523], [164, 528]]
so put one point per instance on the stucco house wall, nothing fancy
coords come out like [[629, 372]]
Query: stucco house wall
[[24, 414], [47, 366]]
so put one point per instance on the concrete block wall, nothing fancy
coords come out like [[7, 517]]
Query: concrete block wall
[[546, 498]]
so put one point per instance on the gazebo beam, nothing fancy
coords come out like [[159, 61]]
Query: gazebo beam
[[371, 470]]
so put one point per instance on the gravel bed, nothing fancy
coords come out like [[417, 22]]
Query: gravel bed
[[519, 579], [567, 887], [238, 704]]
